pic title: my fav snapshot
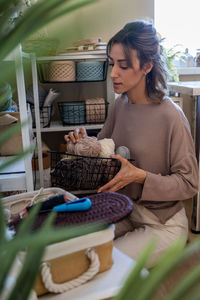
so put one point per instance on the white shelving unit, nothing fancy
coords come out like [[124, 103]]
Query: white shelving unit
[[57, 126], [19, 176]]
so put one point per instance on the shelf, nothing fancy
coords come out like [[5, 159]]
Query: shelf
[[71, 82], [191, 88], [13, 176], [20, 176], [189, 71], [12, 56], [90, 55], [57, 126]]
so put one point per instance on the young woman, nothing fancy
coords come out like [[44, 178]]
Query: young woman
[[158, 136]]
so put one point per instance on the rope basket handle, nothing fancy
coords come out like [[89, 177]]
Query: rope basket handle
[[64, 287]]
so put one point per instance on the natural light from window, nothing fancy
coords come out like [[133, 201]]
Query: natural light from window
[[179, 22]]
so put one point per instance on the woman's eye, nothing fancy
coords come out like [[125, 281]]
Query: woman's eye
[[110, 64], [124, 67]]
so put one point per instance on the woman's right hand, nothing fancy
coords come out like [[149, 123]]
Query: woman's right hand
[[76, 135]]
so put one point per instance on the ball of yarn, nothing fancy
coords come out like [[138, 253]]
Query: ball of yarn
[[107, 147], [70, 147], [123, 151], [88, 146]]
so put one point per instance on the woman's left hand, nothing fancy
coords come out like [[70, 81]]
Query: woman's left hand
[[127, 174]]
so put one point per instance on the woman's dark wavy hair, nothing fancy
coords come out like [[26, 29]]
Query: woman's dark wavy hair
[[142, 37]]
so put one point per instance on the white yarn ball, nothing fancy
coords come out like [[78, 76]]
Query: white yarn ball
[[107, 147], [123, 151]]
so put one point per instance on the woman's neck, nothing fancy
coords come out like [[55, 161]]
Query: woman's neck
[[138, 94], [140, 98]]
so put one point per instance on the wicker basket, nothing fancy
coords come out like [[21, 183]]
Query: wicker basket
[[76, 172], [90, 71]]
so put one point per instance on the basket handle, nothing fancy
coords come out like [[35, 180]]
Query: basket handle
[[64, 287]]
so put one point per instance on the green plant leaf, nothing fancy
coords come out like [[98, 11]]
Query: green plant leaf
[[188, 282], [2, 224], [22, 289], [134, 281], [163, 267], [7, 134], [7, 258], [34, 18], [193, 294], [11, 160]]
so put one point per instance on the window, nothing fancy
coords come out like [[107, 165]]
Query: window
[[179, 22]]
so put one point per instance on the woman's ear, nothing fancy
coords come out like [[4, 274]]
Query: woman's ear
[[147, 67]]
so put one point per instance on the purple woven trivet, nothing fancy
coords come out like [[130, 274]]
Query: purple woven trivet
[[108, 207]]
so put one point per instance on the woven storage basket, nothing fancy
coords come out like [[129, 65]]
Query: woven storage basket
[[72, 113], [96, 110], [61, 71], [76, 172], [90, 71]]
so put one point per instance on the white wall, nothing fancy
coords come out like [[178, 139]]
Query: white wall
[[101, 19]]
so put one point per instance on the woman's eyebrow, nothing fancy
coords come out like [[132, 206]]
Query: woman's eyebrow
[[119, 60]]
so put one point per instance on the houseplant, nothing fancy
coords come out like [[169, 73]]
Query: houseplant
[[12, 33], [136, 287], [170, 55]]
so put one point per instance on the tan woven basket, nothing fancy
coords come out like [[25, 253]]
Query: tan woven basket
[[62, 71], [95, 110]]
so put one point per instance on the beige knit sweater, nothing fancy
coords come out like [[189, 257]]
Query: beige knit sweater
[[159, 139]]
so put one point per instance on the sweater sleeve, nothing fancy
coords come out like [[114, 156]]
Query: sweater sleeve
[[107, 129], [182, 181]]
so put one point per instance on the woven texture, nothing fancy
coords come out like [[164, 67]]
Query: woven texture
[[76, 172], [72, 113], [89, 71], [62, 71], [95, 110], [45, 116], [108, 207]]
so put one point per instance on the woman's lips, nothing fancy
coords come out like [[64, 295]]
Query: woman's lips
[[116, 85]]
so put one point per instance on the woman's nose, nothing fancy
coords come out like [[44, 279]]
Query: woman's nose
[[113, 72]]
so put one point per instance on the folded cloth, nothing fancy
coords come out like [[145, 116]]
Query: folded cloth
[[7, 119], [51, 97]]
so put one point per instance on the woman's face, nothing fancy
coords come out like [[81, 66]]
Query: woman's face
[[125, 78]]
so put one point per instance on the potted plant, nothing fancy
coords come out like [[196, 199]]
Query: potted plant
[[136, 287], [170, 55]]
